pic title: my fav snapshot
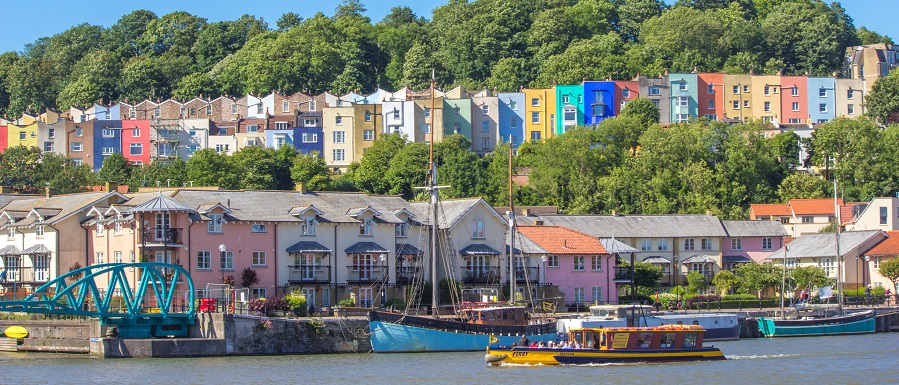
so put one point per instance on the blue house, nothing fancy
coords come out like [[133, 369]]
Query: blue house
[[822, 103], [599, 101], [511, 117], [684, 97], [309, 139], [107, 140], [278, 138]]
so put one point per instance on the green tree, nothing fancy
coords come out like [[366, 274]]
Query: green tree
[[124, 36], [881, 102], [254, 167], [59, 172], [209, 168], [408, 170], [889, 269], [594, 58], [644, 110], [419, 66], [459, 168], [724, 280], [93, 79], [754, 277], [696, 282], [288, 20], [809, 277], [509, 75], [20, 168], [312, 170], [174, 32], [115, 169], [373, 168], [632, 14], [866, 37], [817, 44], [802, 186]]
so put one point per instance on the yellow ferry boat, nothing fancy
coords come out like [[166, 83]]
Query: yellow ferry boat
[[613, 345]]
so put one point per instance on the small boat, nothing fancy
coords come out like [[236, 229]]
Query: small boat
[[613, 345], [853, 323], [718, 326], [16, 332]]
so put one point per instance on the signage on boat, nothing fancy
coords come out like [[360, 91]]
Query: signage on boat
[[619, 340]]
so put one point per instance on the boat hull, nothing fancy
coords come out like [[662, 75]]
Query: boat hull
[[550, 356], [857, 323], [393, 334]]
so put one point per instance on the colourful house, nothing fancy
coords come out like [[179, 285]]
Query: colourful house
[[136, 141], [884, 251], [107, 140], [710, 96], [485, 123], [657, 91], [738, 97], [511, 117], [766, 90], [599, 101], [51, 137], [794, 99], [4, 135], [539, 113], [625, 91], [850, 97], [569, 107], [22, 135], [750, 241], [821, 99], [81, 143], [457, 116], [367, 127], [684, 90]]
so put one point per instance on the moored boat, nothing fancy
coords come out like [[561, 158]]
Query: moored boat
[[853, 323], [718, 326], [613, 345]]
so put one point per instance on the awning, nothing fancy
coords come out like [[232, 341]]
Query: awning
[[10, 250], [407, 249], [478, 249], [365, 247], [657, 260], [37, 249], [308, 247], [736, 259], [699, 259]]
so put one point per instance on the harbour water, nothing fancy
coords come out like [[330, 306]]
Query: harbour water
[[825, 360]]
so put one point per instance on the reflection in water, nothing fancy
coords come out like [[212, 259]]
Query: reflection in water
[[825, 360]]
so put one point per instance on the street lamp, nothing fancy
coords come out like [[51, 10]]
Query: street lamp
[[222, 249]]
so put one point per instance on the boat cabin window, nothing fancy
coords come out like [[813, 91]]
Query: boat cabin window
[[590, 340], [667, 340], [576, 336], [690, 339], [644, 340]]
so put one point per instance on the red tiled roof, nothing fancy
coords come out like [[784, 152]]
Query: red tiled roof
[[770, 209], [820, 206], [561, 240], [889, 246]]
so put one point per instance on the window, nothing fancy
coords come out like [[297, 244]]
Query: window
[[822, 92], [208, 110], [578, 263], [579, 295], [157, 112], [226, 260], [706, 244], [402, 230], [745, 88], [767, 106], [485, 109], [221, 148], [259, 108], [513, 106], [625, 93], [682, 101], [883, 215], [308, 226], [338, 120], [117, 257], [425, 128], [535, 117], [281, 125], [485, 126], [565, 99], [745, 104], [427, 112], [682, 86], [711, 89], [51, 133], [396, 114], [712, 117], [808, 219], [850, 108], [646, 244], [204, 260], [312, 105], [368, 135], [485, 143], [310, 122], [260, 228], [736, 244], [457, 112], [11, 232], [710, 104], [132, 114], [223, 131], [215, 223], [99, 259], [596, 263], [338, 137], [655, 90], [310, 137], [108, 150], [877, 262], [795, 106], [118, 228], [513, 122], [48, 146], [367, 116], [136, 149], [39, 231], [77, 161], [365, 227], [681, 118], [822, 107], [234, 108], [285, 106], [535, 135], [662, 244], [183, 111], [552, 261], [794, 91], [258, 258], [535, 102], [22, 135], [477, 230], [252, 128], [767, 90], [689, 244], [736, 104], [79, 132], [514, 139], [736, 89], [766, 243], [697, 267], [570, 114], [826, 264], [131, 256], [339, 155]]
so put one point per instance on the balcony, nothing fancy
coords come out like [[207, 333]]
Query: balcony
[[162, 237], [23, 275], [406, 274], [481, 275], [623, 275], [365, 273], [527, 274], [309, 274]]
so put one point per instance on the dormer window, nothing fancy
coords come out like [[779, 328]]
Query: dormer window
[[308, 226], [365, 227], [402, 230], [215, 223]]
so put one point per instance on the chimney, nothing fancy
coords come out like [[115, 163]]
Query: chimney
[[614, 213], [112, 186], [51, 192], [5, 189], [526, 212], [300, 187], [709, 212]]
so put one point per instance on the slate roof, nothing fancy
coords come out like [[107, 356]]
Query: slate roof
[[10, 250], [562, 240], [735, 259], [308, 247], [57, 207], [823, 245], [161, 203], [635, 226], [36, 249], [524, 245], [617, 247], [5, 199], [699, 259], [365, 247], [407, 249], [657, 260], [761, 228], [451, 211], [889, 246]]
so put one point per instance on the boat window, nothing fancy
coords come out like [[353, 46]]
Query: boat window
[[474, 315], [667, 340], [602, 340], [690, 339], [588, 340], [505, 315], [644, 340], [576, 336]]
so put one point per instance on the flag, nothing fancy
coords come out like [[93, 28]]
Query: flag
[[493, 339]]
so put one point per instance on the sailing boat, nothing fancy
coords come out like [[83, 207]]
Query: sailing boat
[[471, 327], [853, 323]]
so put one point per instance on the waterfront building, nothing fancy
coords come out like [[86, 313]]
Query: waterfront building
[[766, 100], [821, 99], [485, 123], [738, 100], [511, 117], [75, 114], [750, 241], [251, 132], [820, 250], [599, 101], [224, 109], [882, 213], [684, 97], [399, 117], [569, 107], [794, 99], [850, 97], [197, 108], [798, 216], [424, 120], [657, 91], [51, 116], [885, 250], [710, 96], [80, 141], [539, 113]]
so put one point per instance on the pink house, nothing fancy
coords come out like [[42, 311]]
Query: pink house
[[750, 241], [576, 263], [136, 141]]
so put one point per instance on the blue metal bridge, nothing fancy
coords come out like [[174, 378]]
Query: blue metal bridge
[[143, 300]]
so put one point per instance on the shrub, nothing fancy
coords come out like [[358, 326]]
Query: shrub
[[738, 297], [701, 299], [346, 302], [296, 303], [269, 304], [396, 303]]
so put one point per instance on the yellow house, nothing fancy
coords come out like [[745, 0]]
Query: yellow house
[[22, 135], [338, 129], [738, 96], [366, 120], [539, 113], [765, 94]]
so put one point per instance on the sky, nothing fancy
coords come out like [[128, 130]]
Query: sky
[[24, 21]]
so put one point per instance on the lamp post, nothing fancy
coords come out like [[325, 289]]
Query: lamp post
[[222, 249]]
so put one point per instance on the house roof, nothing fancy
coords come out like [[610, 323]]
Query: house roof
[[36, 249], [10, 250], [365, 247], [58, 207], [699, 259], [308, 247], [161, 203], [407, 249], [761, 228], [819, 206], [823, 245], [635, 226], [524, 245], [617, 247], [770, 209], [735, 259], [478, 249], [452, 211], [561, 240], [657, 260], [889, 246]]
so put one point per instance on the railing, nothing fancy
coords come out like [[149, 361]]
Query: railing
[[481, 275], [24, 275], [309, 273], [163, 235], [527, 274], [405, 274], [365, 273]]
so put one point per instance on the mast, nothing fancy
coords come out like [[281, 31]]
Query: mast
[[836, 213], [432, 189], [783, 279], [511, 231]]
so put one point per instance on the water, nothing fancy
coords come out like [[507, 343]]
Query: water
[[824, 360]]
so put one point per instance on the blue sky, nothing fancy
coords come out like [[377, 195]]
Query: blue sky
[[26, 20]]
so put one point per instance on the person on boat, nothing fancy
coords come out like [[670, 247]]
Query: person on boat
[[524, 341], [888, 296], [533, 344], [541, 344], [868, 299]]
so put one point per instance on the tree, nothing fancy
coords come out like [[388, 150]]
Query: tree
[[175, 32], [288, 20], [124, 35], [802, 186], [644, 110], [19, 168], [209, 168], [59, 172], [809, 277], [408, 170], [254, 168], [881, 102], [115, 169], [509, 75], [696, 282], [632, 14], [867, 37], [817, 44], [889, 269], [312, 170], [594, 58], [372, 171], [724, 280], [754, 277], [248, 277], [419, 66]]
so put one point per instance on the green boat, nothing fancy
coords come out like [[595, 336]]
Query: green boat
[[854, 323]]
